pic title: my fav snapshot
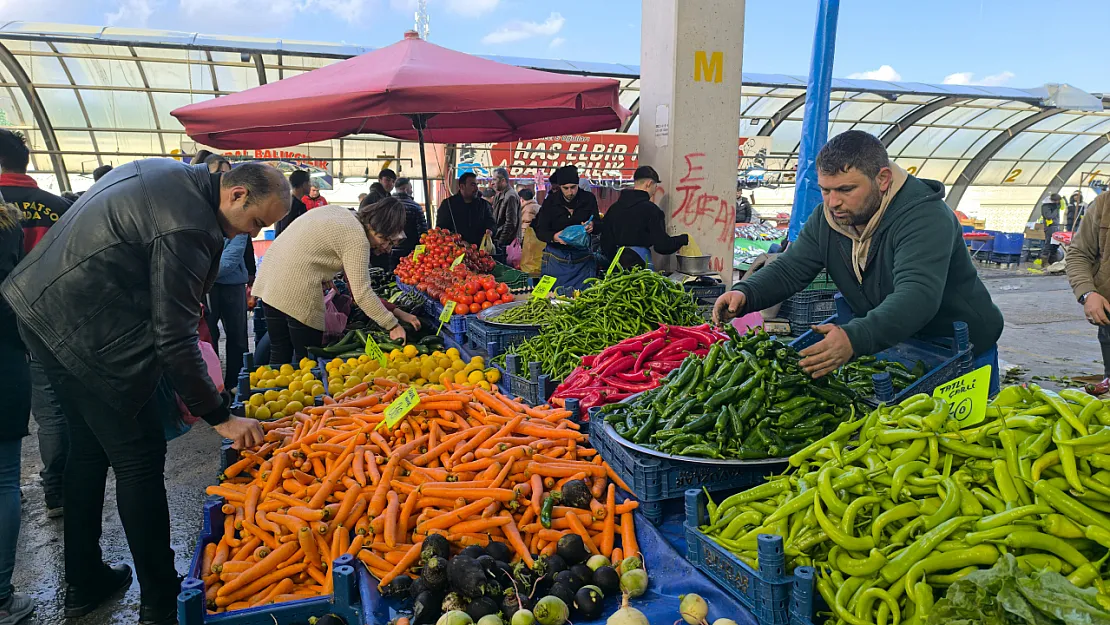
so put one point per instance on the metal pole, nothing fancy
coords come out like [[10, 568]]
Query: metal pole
[[815, 120], [419, 122]]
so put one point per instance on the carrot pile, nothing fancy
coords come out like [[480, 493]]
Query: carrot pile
[[467, 463]]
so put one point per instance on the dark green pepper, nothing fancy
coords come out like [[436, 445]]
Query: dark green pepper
[[546, 509]]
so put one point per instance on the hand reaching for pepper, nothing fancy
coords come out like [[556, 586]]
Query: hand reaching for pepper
[[828, 354]]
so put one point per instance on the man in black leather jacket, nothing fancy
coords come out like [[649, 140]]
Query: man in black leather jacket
[[109, 301]]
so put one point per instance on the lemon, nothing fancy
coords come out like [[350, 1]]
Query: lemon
[[257, 400], [352, 362], [345, 370], [311, 401], [297, 396], [270, 395], [434, 376], [294, 406], [453, 353], [282, 381], [395, 353], [373, 366], [317, 389], [485, 385], [333, 383], [350, 383], [262, 413], [460, 378], [391, 372], [477, 360], [493, 376], [286, 370], [475, 377], [283, 395], [308, 377], [403, 378], [363, 359], [248, 410], [410, 351], [277, 415], [369, 379], [437, 354], [420, 382]]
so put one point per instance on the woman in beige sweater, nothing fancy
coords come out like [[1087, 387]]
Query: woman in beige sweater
[[308, 254]]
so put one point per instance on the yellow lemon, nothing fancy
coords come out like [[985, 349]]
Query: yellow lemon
[[248, 410], [460, 378], [308, 377], [420, 382], [282, 381], [352, 362], [485, 385], [286, 369], [453, 353], [410, 351], [311, 401], [307, 362], [493, 376], [317, 389], [369, 379], [277, 415], [475, 377], [297, 396], [443, 361], [433, 377], [270, 395], [294, 406], [477, 360], [395, 353], [373, 366], [363, 359], [350, 383], [296, 385], [437, 354], [403, 378], [262, 413], [345, 370], [257, 400]]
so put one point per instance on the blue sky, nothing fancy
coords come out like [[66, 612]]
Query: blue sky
[[1019, 43]]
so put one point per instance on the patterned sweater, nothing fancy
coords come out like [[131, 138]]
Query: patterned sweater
[[308, 253]]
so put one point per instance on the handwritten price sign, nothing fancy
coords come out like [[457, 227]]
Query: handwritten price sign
[[445, 316], [967, 396], [374, 351], [544, 286], [418, 251], [400, 407], [458, 261]]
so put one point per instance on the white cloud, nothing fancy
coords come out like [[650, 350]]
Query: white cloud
[[556, 42], [885, 72], [519, 31], [134, 13], [349, 11], [968, 78], [472, 8]]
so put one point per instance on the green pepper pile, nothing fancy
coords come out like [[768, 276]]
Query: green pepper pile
[[537, 311], [915, 503], [857, 374], [610, 310], [747, 399]]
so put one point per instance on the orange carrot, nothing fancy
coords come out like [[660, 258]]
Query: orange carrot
[[628, 535], [516, 542], [577, 528], [607, 535], [392, 512], [411, 556]]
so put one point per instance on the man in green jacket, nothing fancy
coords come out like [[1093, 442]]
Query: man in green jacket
[[896, 253]]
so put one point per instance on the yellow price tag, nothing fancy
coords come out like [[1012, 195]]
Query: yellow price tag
[[967, 396], [445, 315], [543, 287], [458, 261], [616, 261], [420, 249], [400, 407], [373, 350]]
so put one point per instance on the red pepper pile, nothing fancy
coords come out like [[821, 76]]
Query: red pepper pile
[[634, 365]]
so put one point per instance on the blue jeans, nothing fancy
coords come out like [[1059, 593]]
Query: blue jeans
[[53, 435], [989, 357], [9, 512]]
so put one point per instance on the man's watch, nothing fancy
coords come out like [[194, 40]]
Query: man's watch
[[1083, 298]]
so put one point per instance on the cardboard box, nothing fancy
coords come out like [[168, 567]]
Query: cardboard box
[[1034, 234]]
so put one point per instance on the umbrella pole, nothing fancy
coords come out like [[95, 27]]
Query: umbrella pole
[[419, 122]]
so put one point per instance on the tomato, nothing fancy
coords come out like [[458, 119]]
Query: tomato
[[475, 308], [467, 300], [488, 283], [471, 288], [486, 305], [492, 295], [506, 298], [459, 310], [502, 288], [479, 297]]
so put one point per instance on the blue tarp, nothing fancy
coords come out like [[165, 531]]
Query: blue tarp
[[669, 574]]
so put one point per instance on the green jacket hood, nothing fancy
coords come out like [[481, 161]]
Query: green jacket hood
[[914, 193]]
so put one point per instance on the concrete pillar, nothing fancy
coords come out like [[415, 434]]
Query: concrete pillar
[[691, 52]]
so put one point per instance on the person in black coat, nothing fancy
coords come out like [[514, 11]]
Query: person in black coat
[[636, 224], [564, 206], [387, 179], [466, 213], [109, 302]]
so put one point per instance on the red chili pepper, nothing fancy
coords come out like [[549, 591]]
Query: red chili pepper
[[591, 400], [663, 366], [632, 387], [639, 376], [582, 393], [702, 334], [651, 348], [678, 347], [588, 361], [624, 363], [631, 345]]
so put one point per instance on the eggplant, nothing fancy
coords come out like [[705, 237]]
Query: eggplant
[[435, 546], [499, 551], [563, 592], [588, 600], [434, 572], [481, 607], [569, 580], [466, 576], [425, 609], [571, 549], [398, 587], [607, 579], [583, 573], [576, 494]]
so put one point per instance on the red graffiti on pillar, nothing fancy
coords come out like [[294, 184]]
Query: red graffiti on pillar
[[696, 203]]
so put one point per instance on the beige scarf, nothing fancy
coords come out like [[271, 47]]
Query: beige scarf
[[861, 238]]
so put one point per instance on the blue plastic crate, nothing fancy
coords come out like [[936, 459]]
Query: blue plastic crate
[[527, 382], [654, 480], [351, 585], [457, 324], [1008, 243], [945, 359], [495, 340], [767, 591], [807, 308]]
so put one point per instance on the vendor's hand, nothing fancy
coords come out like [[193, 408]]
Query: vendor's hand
[[412, 320], [397, 333], [728, 306], [1097, 309], [828, 354], [589, 226], [244, 433]]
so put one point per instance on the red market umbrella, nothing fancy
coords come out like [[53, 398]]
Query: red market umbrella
[[409, 90]]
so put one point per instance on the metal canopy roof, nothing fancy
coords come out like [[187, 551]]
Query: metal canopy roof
[[88, 95]]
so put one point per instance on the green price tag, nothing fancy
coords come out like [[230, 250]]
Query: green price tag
[[544, 286], [374, 351], [458, 261], [445, 316], [616, 262], [418, 251], [967, 396], [400, 407]]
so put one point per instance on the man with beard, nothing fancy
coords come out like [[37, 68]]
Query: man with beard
[[896, 253]]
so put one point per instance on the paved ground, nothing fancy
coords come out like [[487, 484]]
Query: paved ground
[[1045, 333]]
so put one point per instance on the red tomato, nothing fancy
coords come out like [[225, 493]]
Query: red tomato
[[474, 307], [492, 295], [502, 288], [460, 310], [486, 305], [488, 283], [480, 297], [467, 300], [506, 298], [471, 288]]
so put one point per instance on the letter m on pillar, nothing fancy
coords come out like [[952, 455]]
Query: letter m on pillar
[[709, 67]]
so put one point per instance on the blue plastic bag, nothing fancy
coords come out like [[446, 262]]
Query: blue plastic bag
[[576, 235]]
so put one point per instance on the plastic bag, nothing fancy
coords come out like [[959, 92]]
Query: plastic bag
[[176, 423], [487, 243], [531, 252], [335, 320], [512, 254], [576, 235]]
